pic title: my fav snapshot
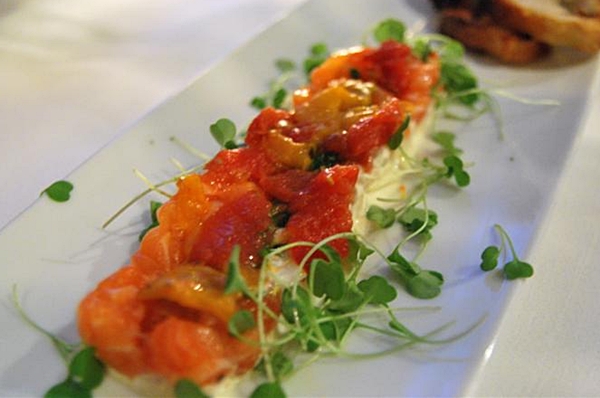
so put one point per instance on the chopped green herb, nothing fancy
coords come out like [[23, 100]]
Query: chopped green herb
[[321, 160], [354, 73], [59, 191]]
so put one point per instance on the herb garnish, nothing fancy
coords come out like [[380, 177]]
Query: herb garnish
[[389, 29], [154, 206], [318, 54], [59, 191], [224, 132], [512, 269], [85, 371], [188, 389]]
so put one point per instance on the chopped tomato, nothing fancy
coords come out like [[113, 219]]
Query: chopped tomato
[[323, 210]]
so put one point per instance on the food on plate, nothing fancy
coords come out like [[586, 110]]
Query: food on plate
[[265, 244], [521, 31]]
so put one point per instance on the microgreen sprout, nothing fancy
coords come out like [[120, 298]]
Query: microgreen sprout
[[318, 313], [277, 94], [224, 132], [85, 371], [455, 169], [59, 191], [318, 54], [398, 135], [185, 388], [388, 29], [445, 139], [513, 269], [154, 206]]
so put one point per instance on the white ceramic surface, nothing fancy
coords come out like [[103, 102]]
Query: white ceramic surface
[[55, 253]]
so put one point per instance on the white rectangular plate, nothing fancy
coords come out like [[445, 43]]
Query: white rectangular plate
[[56, 253]]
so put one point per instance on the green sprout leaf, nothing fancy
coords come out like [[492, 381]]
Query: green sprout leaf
[[59, 191], [295, 304], [425, 285], [223, 131], [258, 102], [457, 79], [68, 389], [327, 279], [352, 299], [416, 219], [401, 265], [389, 29], [513, 269], [86, 369], [489, 258], [377, 290], [318, 54], [241, 322], [281, 365], [188, 389], [397, 137], [455, 168], [154, 206], [383, 218], [517, 269], [285, 65], [235, 281], [422, 49], [279, 98], [446, 139], [268, 390]]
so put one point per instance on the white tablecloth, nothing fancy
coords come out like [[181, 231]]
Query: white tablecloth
[[75, 74]]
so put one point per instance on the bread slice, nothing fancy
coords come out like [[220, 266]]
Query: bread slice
[[485, 35], [550, 21]]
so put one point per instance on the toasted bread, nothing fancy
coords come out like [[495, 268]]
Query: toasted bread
[[483, 34], [556, 22]]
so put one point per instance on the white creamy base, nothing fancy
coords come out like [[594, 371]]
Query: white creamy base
[[390, 172]]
